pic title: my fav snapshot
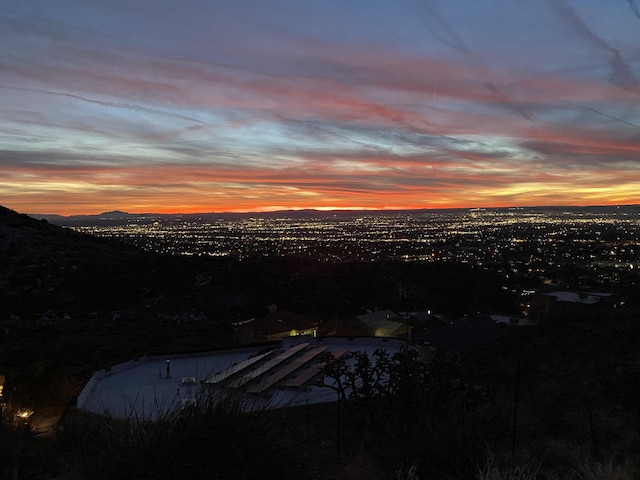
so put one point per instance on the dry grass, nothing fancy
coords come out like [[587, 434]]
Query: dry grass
[[581, 469], [606, 470], [494, 469], [219, 438]]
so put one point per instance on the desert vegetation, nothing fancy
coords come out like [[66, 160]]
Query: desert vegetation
[[408, 416]]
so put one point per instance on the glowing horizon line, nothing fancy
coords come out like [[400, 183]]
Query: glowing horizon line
[[337, 209]]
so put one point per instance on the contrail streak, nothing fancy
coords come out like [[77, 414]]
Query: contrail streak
[[622, 74], [634, 8], [369, 20], [508, 101], [449, 35], [606, 115], [583, 107], [128, 106]]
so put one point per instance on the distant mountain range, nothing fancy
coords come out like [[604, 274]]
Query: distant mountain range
[[119, 217]]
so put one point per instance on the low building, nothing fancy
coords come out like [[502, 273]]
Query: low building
[[385, 323], [340, 329], [512, 320], [280, 374], [275, 325], [558, 304]]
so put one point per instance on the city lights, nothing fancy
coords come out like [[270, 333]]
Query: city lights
[[516, 242]]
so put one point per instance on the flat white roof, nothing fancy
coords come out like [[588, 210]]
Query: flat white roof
[[511, 320], [576, 297], [143, 388]]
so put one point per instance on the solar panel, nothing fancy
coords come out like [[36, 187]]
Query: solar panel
[[286, 370], [267, 366], [311, 372], [237, 368]]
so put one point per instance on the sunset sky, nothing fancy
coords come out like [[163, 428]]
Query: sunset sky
[[249, 105]]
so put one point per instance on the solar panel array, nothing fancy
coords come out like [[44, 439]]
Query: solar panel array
[[220, 377], [292, 367], [311, 372], [244, 379]]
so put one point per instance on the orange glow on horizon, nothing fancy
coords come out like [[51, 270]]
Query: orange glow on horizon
[[95, 209], [469, 179]]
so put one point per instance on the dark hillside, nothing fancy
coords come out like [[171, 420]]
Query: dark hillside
[[71, 303], [45, 267]]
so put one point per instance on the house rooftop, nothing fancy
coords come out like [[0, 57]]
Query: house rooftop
[[383, 323], [577, 297], [276, 324], [271, 375]]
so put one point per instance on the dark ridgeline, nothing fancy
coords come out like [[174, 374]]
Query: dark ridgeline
[[117, 217], [71, 303]]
